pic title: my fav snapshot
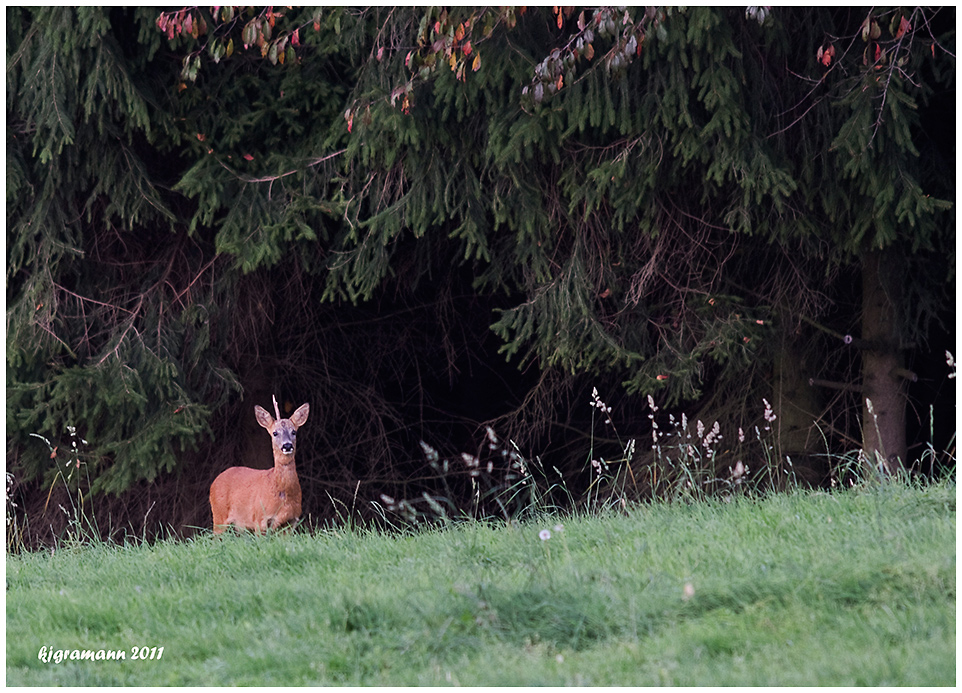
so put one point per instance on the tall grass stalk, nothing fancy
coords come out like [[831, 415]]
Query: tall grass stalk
[[72, 474]]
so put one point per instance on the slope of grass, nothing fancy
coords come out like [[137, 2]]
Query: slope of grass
[[849, 588]]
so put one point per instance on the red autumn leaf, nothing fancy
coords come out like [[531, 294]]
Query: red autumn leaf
[[904, 26], [878, 52], [825, 55], [248, 157], [661, 377]]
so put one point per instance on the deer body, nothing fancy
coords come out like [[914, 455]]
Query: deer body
[[259, 499]]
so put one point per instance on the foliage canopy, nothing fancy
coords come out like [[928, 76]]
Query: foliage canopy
[[353, 203]]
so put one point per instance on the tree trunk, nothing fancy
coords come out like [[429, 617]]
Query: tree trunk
[[883, 398]]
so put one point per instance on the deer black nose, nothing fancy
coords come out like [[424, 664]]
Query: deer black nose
[[287, 447]]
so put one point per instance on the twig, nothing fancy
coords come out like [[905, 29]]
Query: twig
[[270, 179], [849, 387]]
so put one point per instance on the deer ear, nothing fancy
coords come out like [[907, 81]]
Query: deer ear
[[300, 416], [263, 418]]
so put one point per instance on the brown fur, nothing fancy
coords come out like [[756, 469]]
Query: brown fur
[[259, 499]]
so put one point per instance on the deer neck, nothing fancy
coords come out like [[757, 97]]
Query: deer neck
[[284, 470]]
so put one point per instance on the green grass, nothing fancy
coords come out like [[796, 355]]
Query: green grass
[[848, 588]]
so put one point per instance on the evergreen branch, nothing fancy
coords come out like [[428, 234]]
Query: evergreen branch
[[48, 330]]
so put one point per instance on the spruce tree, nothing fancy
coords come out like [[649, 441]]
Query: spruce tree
[[356, 204], [97, 323], [633, 201]]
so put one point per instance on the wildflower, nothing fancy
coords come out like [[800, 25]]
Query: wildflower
[[741, 435], [10, 480], [559, 528], [544, 534], [430, 453], [738, 472], [950, 362], [596, 402], [688, 592], [492, 438], [713, 435], [651, 417], [769, 414]]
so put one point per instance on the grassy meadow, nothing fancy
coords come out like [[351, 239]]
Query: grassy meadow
[[805, 588]]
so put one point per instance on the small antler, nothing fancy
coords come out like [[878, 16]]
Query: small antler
[[277, 411]]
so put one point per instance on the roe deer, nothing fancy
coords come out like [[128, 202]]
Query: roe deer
[[261, 498]]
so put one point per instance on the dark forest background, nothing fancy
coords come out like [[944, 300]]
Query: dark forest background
[[446, 228]]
